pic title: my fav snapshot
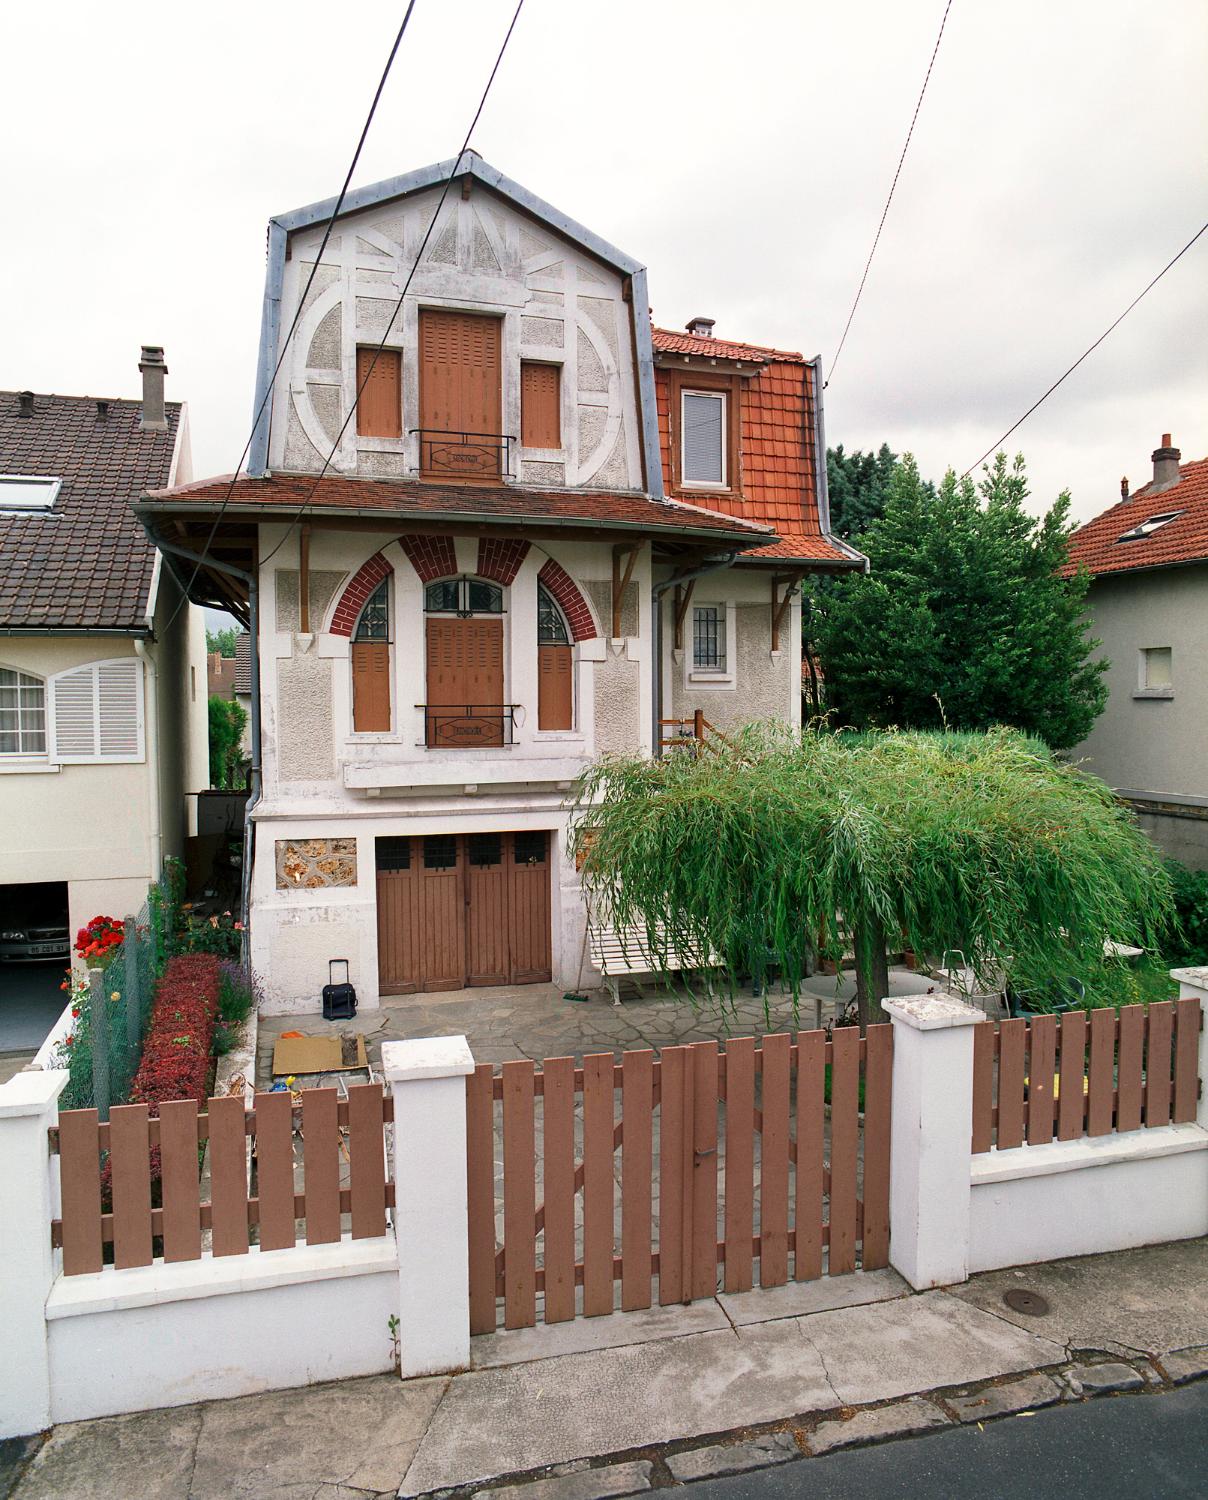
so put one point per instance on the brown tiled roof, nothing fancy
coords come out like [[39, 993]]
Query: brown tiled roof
[[85, 564], [243, 663], [1097, 545], [417, 499], [667, 341]]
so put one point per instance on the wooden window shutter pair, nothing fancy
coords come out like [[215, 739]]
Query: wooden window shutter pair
[[96, 712], [380, 382], [540, 405], [371, 687]]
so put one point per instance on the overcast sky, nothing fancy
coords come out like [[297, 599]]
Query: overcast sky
[[742, 151]]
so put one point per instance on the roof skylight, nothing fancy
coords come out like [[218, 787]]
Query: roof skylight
[[28, 491], [1147, 528]]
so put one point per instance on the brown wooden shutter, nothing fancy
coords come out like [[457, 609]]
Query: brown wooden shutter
[[465, 681], [459, 390], [371, 687], [380, 404], [540, 406], [555, 687]]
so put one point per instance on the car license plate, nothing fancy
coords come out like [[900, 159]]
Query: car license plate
[[47, 948]]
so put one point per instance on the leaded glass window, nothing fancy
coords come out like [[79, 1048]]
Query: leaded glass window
[[22, 713], [374, 624], [463, 596], [551, 627]]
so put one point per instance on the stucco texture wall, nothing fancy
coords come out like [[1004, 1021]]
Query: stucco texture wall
[[762, 684], [304, 724]]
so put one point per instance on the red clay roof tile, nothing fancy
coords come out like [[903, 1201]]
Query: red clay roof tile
[[1097, 545]]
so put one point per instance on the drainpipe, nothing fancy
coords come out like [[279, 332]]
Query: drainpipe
[[151, 729], [657, 590]]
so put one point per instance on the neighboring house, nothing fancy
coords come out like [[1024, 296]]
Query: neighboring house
[[1148, 557], [241, 685], [544, 535], [102, 684], [220, 673]]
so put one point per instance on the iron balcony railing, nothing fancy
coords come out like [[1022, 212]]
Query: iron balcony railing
[[472, 455], [458, 726]]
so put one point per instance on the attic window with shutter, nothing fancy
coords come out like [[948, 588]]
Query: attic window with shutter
[[1148, 527], [96, 712], [703, 440], [380, 383], [28, 491]]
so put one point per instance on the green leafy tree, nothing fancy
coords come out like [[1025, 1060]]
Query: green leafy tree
[[222, 641], [228, 720], [857, 484], [982, 842], [963, 619]]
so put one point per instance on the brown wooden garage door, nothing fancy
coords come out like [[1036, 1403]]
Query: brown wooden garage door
[[463, 909]]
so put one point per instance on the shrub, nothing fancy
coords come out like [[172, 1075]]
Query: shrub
[[1191, 904], [219, 934], [176, 1052]]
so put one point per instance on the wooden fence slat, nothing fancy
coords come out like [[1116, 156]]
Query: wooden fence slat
[[1012, 1038], [740, 1163], [706, 1065], [878, 1099], [598, 1124], [673, 1076], [1042, 1059], [130, 1184], [1129, 1085], [558, 1186], [774, 1162], [80, 1188], [1101, 1073], [1158, 1063], [1186, 1059], [480, 1182], [811, 1154], [985, 1045], [1071, 1103], [228, 1175], [321, 1165], [637, 1178], [519, 1197], [845, 1137], [180, 1179], [275, 1170], [367, 1154]]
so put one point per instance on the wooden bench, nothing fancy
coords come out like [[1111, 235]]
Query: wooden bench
[[622, 954]]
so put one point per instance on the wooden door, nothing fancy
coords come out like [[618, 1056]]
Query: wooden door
[[555, 687], [465, 681], [371, 687], [487, 908], [442, 943], [528, 869], [398, 916], [460, 393]]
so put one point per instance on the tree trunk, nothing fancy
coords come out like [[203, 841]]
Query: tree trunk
[[872, 970]]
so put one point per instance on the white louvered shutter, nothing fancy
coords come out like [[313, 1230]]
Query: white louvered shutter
[[704, 450], [97, 712]]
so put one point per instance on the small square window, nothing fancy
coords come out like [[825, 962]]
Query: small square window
[[703, 442], [709, 638], [1157, 674]]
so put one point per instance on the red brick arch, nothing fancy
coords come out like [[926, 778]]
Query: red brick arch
[[500, 558], [564, 589], [352, 600]]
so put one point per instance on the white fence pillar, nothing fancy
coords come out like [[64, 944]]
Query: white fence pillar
[[931, 1138], [1193, 985], [427, 1080], [27, 1110]]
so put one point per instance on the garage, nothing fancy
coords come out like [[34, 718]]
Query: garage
[[463, 909]]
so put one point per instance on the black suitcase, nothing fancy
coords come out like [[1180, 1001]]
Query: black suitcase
[[339, 1000]]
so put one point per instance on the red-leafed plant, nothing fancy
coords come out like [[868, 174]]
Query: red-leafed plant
[[176, 1052], [100, 935]]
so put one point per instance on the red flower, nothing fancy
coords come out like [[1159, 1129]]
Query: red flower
[[75, 1011], [69, 1039]]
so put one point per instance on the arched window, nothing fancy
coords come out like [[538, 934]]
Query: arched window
[[463, 596], [22, 713], [464, 645], [371, 664], [555, 666]]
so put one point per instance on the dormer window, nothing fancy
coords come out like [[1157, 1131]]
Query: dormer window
[[1147, 528], [703, 439], [28, 491]]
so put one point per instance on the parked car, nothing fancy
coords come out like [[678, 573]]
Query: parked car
[[33, 927]]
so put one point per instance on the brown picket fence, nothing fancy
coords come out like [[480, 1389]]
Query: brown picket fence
[[742, 1170], [131, 1189], [1085, 1074]]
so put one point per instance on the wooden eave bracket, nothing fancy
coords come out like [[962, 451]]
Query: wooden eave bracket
[[780, 603], [683, 598], [621, 576]]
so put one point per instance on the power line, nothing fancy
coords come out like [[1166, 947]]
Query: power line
[[419, 255], [889, 200], [352, 166], [994, 446]]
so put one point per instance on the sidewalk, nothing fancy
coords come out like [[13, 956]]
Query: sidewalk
[[602, 1398]]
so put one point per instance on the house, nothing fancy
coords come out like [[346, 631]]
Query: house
[[220, 675], [543, 533], [102, 676], [1148, 599]]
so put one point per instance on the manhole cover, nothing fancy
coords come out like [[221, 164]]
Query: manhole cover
[[1020, 1300]]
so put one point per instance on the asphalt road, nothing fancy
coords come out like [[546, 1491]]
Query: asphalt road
[[1115, 1448]]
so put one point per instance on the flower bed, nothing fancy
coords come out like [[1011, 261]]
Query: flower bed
[[176, 1052]]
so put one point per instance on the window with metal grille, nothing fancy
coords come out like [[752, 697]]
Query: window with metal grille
[[703, 440], [374, 624], [484, 849], [463, 596], [551, 627], [529, 848], [393, 854], [22, 713], [709, 638], [440, 851]]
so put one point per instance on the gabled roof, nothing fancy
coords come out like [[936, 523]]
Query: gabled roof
[[86, 563], [1098, 547], [667, 341]]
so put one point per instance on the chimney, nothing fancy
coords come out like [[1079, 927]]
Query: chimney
[[1165, 465], [102, 411], [153, 370], [702, 327], [25, 403], [1124, 488]]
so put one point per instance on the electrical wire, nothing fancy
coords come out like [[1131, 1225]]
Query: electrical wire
[[352, 166], [994, 446], [402, 295], [889, 200]]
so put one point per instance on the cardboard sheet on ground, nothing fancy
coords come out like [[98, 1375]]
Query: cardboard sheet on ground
[[318, 1054]]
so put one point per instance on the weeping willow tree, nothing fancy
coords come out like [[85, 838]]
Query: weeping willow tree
[[780, 844]]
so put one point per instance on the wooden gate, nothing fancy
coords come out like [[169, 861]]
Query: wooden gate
[[458, 909], [750, 1186]]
